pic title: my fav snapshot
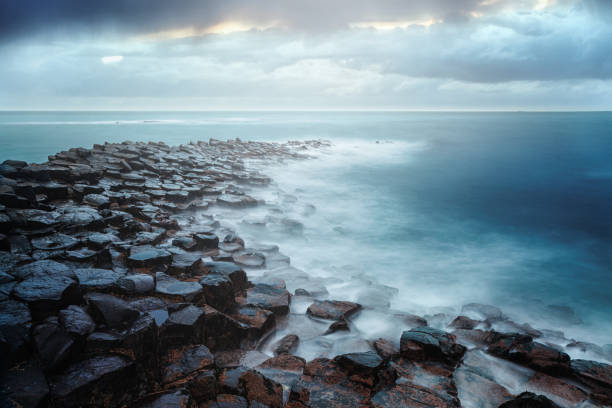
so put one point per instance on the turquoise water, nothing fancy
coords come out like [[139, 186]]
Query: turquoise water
[[508, 208]]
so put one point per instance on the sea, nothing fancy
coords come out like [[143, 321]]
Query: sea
[[431, 210]]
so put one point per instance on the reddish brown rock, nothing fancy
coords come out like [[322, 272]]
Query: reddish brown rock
[[286, 345], [270, 298], [333, 309], [385, 349], [463, 322], [259, 388], [405, 394], [427, 343]]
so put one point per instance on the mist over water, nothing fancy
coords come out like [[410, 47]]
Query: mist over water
[[511, 209]]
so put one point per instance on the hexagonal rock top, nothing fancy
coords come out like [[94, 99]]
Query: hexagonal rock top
[[142, 256]]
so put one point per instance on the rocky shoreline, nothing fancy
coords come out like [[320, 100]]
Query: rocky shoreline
[[118, 287]]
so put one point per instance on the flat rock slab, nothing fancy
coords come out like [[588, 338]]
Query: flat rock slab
[[250, 259], [46, 294], [42, 268], [333, 309], [143, 256], [97, 279], [169, 286], [270, 298], [54, 242]]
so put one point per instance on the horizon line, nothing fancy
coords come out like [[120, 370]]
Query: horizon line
[[423, 110]]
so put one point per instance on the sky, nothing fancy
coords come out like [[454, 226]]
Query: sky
[[306, 54]]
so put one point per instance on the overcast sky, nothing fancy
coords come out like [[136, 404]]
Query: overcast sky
[[306, 54]]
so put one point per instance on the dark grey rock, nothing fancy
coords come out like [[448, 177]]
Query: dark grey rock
[[97, 279], [143, 256], [111, 310], [169, 286], [269, 297], [136, 283], [75, 320]]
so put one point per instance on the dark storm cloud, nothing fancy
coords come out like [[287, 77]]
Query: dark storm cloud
[[22, 17]]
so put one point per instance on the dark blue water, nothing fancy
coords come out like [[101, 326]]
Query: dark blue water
[[509, 208]]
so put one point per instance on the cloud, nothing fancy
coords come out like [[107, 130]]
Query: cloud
[[23, 17], [112, 59], [392, 54]]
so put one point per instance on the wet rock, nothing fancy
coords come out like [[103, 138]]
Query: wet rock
[[184, 263], [364, 363], [406, 394], [97, 200], [14, 332], [139, 283], [186, 243], [185, 326], [184, 362], [239, 201], [144, 256], [596, 375], [206, 241], [529, 400], [233, 271], [228, 379], [23, 387], [333, 309], [249, 259], [286, 345], [463, 322], [521, 350], [302, 292], [184, 291], [98, 240], [97, 279], [97, 382], [111, 310], [323, 384], [261, 389], [228, 333], [427, 343], [478, 388], [46, 294], [53, 344], [54, 242], [259, 321], [218, 290], [203, 386], [559, 390], [75, 320], [80, 218], [385, 349], [270, 298], [339, 325]]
